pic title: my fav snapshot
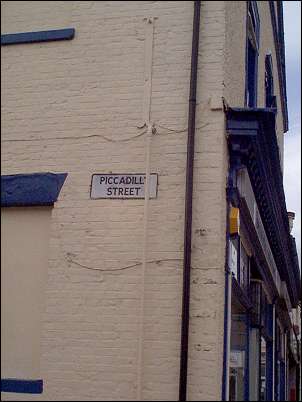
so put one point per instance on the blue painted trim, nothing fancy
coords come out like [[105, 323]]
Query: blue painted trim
[[247, 359], [259, 363], [225, 338], [31, 189], [269, 357], [261, 156], [269, 371], [282, 381], [226, 289], [22, 386], [251, 69], [275, 351], [238, 261], [278, 32], [246, 63], [278, 381], [39, 36]]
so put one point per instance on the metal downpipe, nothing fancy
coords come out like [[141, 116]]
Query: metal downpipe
[[188, 208]]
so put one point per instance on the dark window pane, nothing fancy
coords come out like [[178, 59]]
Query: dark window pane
[[251, 76]]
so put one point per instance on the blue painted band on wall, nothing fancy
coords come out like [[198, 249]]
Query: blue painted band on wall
[[40, 36], [36, 189], [22, 386]]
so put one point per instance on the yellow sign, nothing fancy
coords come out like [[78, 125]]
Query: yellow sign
[[234, 220]]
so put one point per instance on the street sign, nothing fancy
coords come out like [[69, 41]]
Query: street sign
[[123, 186]]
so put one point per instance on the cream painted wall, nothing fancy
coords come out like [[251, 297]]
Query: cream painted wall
[[24, 262], [234, 50], [24, 16], [76, 107]]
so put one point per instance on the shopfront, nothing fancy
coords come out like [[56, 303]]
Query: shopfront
[[261, 364]]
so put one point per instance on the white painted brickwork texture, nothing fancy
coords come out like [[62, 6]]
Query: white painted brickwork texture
[[73, 107], [76, 107]]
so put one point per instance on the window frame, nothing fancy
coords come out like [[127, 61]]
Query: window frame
[[270, 98], [252, 44], [29, 190]]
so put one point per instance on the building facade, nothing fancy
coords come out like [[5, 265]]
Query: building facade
[[146, 251]]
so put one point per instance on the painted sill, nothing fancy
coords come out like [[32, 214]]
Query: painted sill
[[22, 386], [35, 189], [39, 36]]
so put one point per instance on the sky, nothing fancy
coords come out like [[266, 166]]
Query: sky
[[292, 140]]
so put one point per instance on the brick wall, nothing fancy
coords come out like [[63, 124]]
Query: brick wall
[[75, 107]]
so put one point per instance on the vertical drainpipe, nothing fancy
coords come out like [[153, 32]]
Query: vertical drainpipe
[[227, 332], [231, 188], [149, 38], [247, 358], [188, 208], [273, 347], [300, 363], [285, 366], [227, 294]]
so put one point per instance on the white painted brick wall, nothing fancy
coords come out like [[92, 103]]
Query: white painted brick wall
[[69, 107]]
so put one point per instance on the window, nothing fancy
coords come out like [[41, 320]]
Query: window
[[263, 371], [233, 256], [270, 99], [255, 296], [238, 390], [239, 262], [263, 310], [254, 364], [24, 260], [244, 268], [279, 365], [26, 207], [253, 27]]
